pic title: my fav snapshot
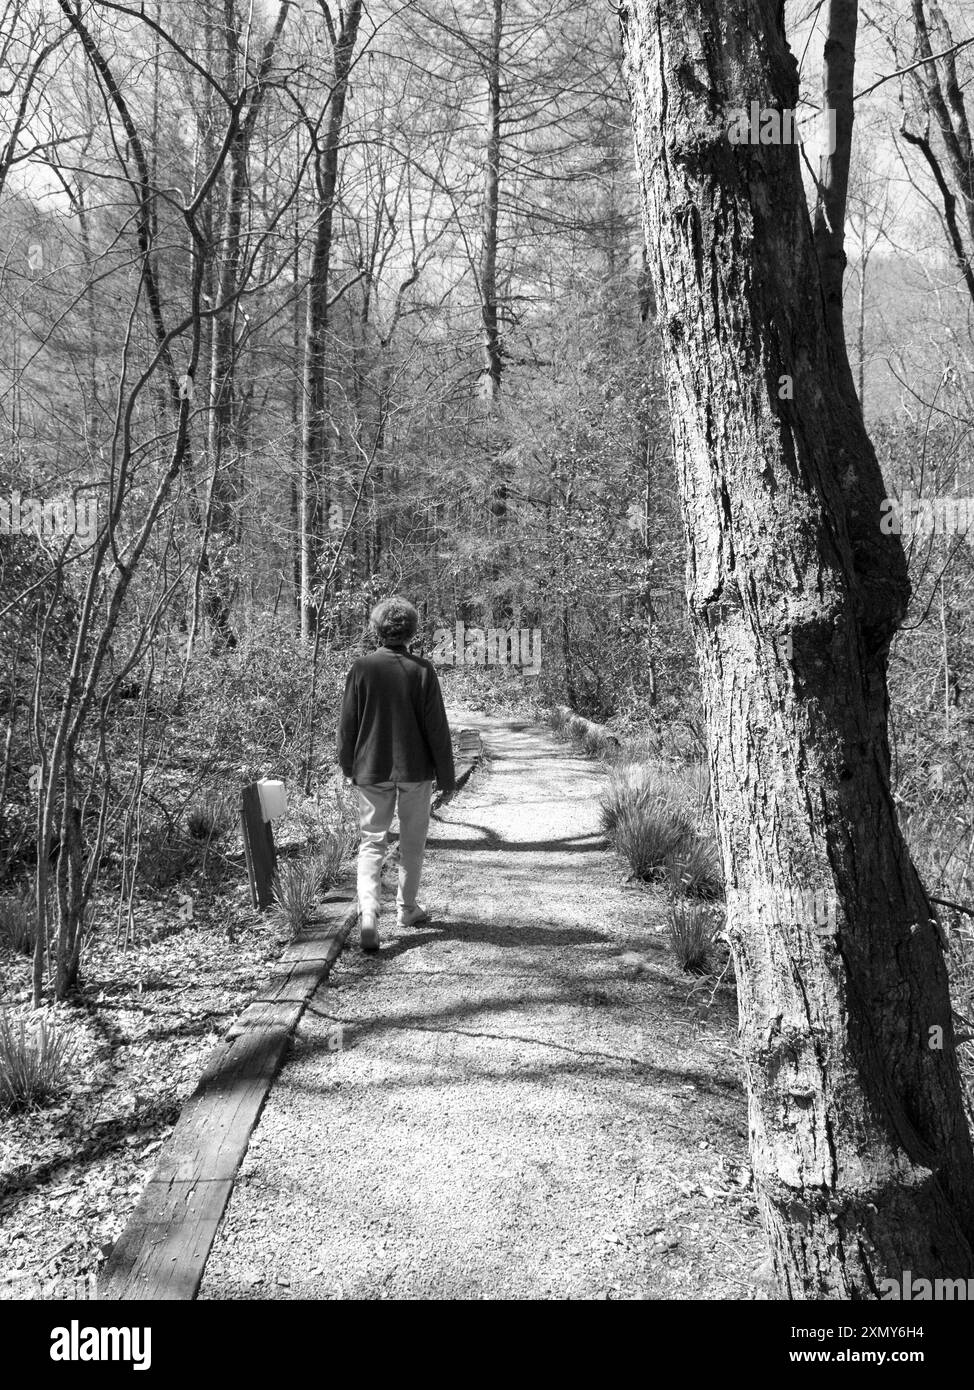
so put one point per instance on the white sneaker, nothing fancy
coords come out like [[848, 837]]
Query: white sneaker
[[412, 916], [369, 935]]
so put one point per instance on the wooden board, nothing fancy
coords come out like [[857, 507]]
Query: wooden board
[[259, 851], [162, 1252], [470, 750], [291, 986], [161, 1255], [269, 1014]]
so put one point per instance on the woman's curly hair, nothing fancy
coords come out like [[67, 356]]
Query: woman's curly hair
[[394, 620]]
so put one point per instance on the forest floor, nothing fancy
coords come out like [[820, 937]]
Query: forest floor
[[530, 1099], [140, 1030]]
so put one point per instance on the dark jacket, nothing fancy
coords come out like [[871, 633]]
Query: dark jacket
[[393, 725]]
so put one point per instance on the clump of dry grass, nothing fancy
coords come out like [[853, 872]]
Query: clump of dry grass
[[17, 920], [210, 817], [690, 927], [648, 834], [695, 867], [34, 1064], [296, 885], [658, 818], [595, 740]]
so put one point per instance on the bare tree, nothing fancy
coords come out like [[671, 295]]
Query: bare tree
[[939, 109], [222, 443], [315, 445]]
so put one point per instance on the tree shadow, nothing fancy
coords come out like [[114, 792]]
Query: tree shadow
[[450, 1018], [515, 934], [101, 1140]]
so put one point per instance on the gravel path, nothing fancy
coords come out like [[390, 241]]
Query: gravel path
[[526, 1102]]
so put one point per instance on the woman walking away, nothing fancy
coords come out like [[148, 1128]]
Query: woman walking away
[[393, 738]]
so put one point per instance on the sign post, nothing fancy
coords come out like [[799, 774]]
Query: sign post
[[260, 803]]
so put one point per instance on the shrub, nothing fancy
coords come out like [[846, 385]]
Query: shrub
[[162, 861], [346, 841], [330, 831], [599, 742], [210, 817], [634, 783], [941, 848], [309, 822], [320, 827], [33, 1064], [493, 689], [556, 718], [696, 779], [691, 933], [17, 924], [255, 702]]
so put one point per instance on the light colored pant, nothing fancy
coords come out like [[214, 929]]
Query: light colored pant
[[377, 805]]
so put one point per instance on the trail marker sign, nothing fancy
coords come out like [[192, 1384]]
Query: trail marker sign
[[261, 803]]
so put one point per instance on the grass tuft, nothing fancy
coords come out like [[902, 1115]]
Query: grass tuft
[[17, 923], [649, 834], [658, 818], [690, 928], [210, 817], [34, 1064], [296, 885], [695, 868]]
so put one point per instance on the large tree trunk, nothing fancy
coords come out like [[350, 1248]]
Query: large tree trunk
[[860, 1146]]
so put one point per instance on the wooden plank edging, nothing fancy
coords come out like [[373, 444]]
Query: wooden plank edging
[[469, 754], [163, 1249]]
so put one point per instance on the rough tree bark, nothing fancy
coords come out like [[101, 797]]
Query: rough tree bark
[[860, 1146]]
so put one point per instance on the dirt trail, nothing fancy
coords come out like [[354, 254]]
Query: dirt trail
[[515, 1109]]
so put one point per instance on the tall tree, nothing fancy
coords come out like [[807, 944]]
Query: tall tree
[[222, 443], [493, 357], [941, 96], [493, 363], [860, 1146], [837, 91], [325, 166]]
